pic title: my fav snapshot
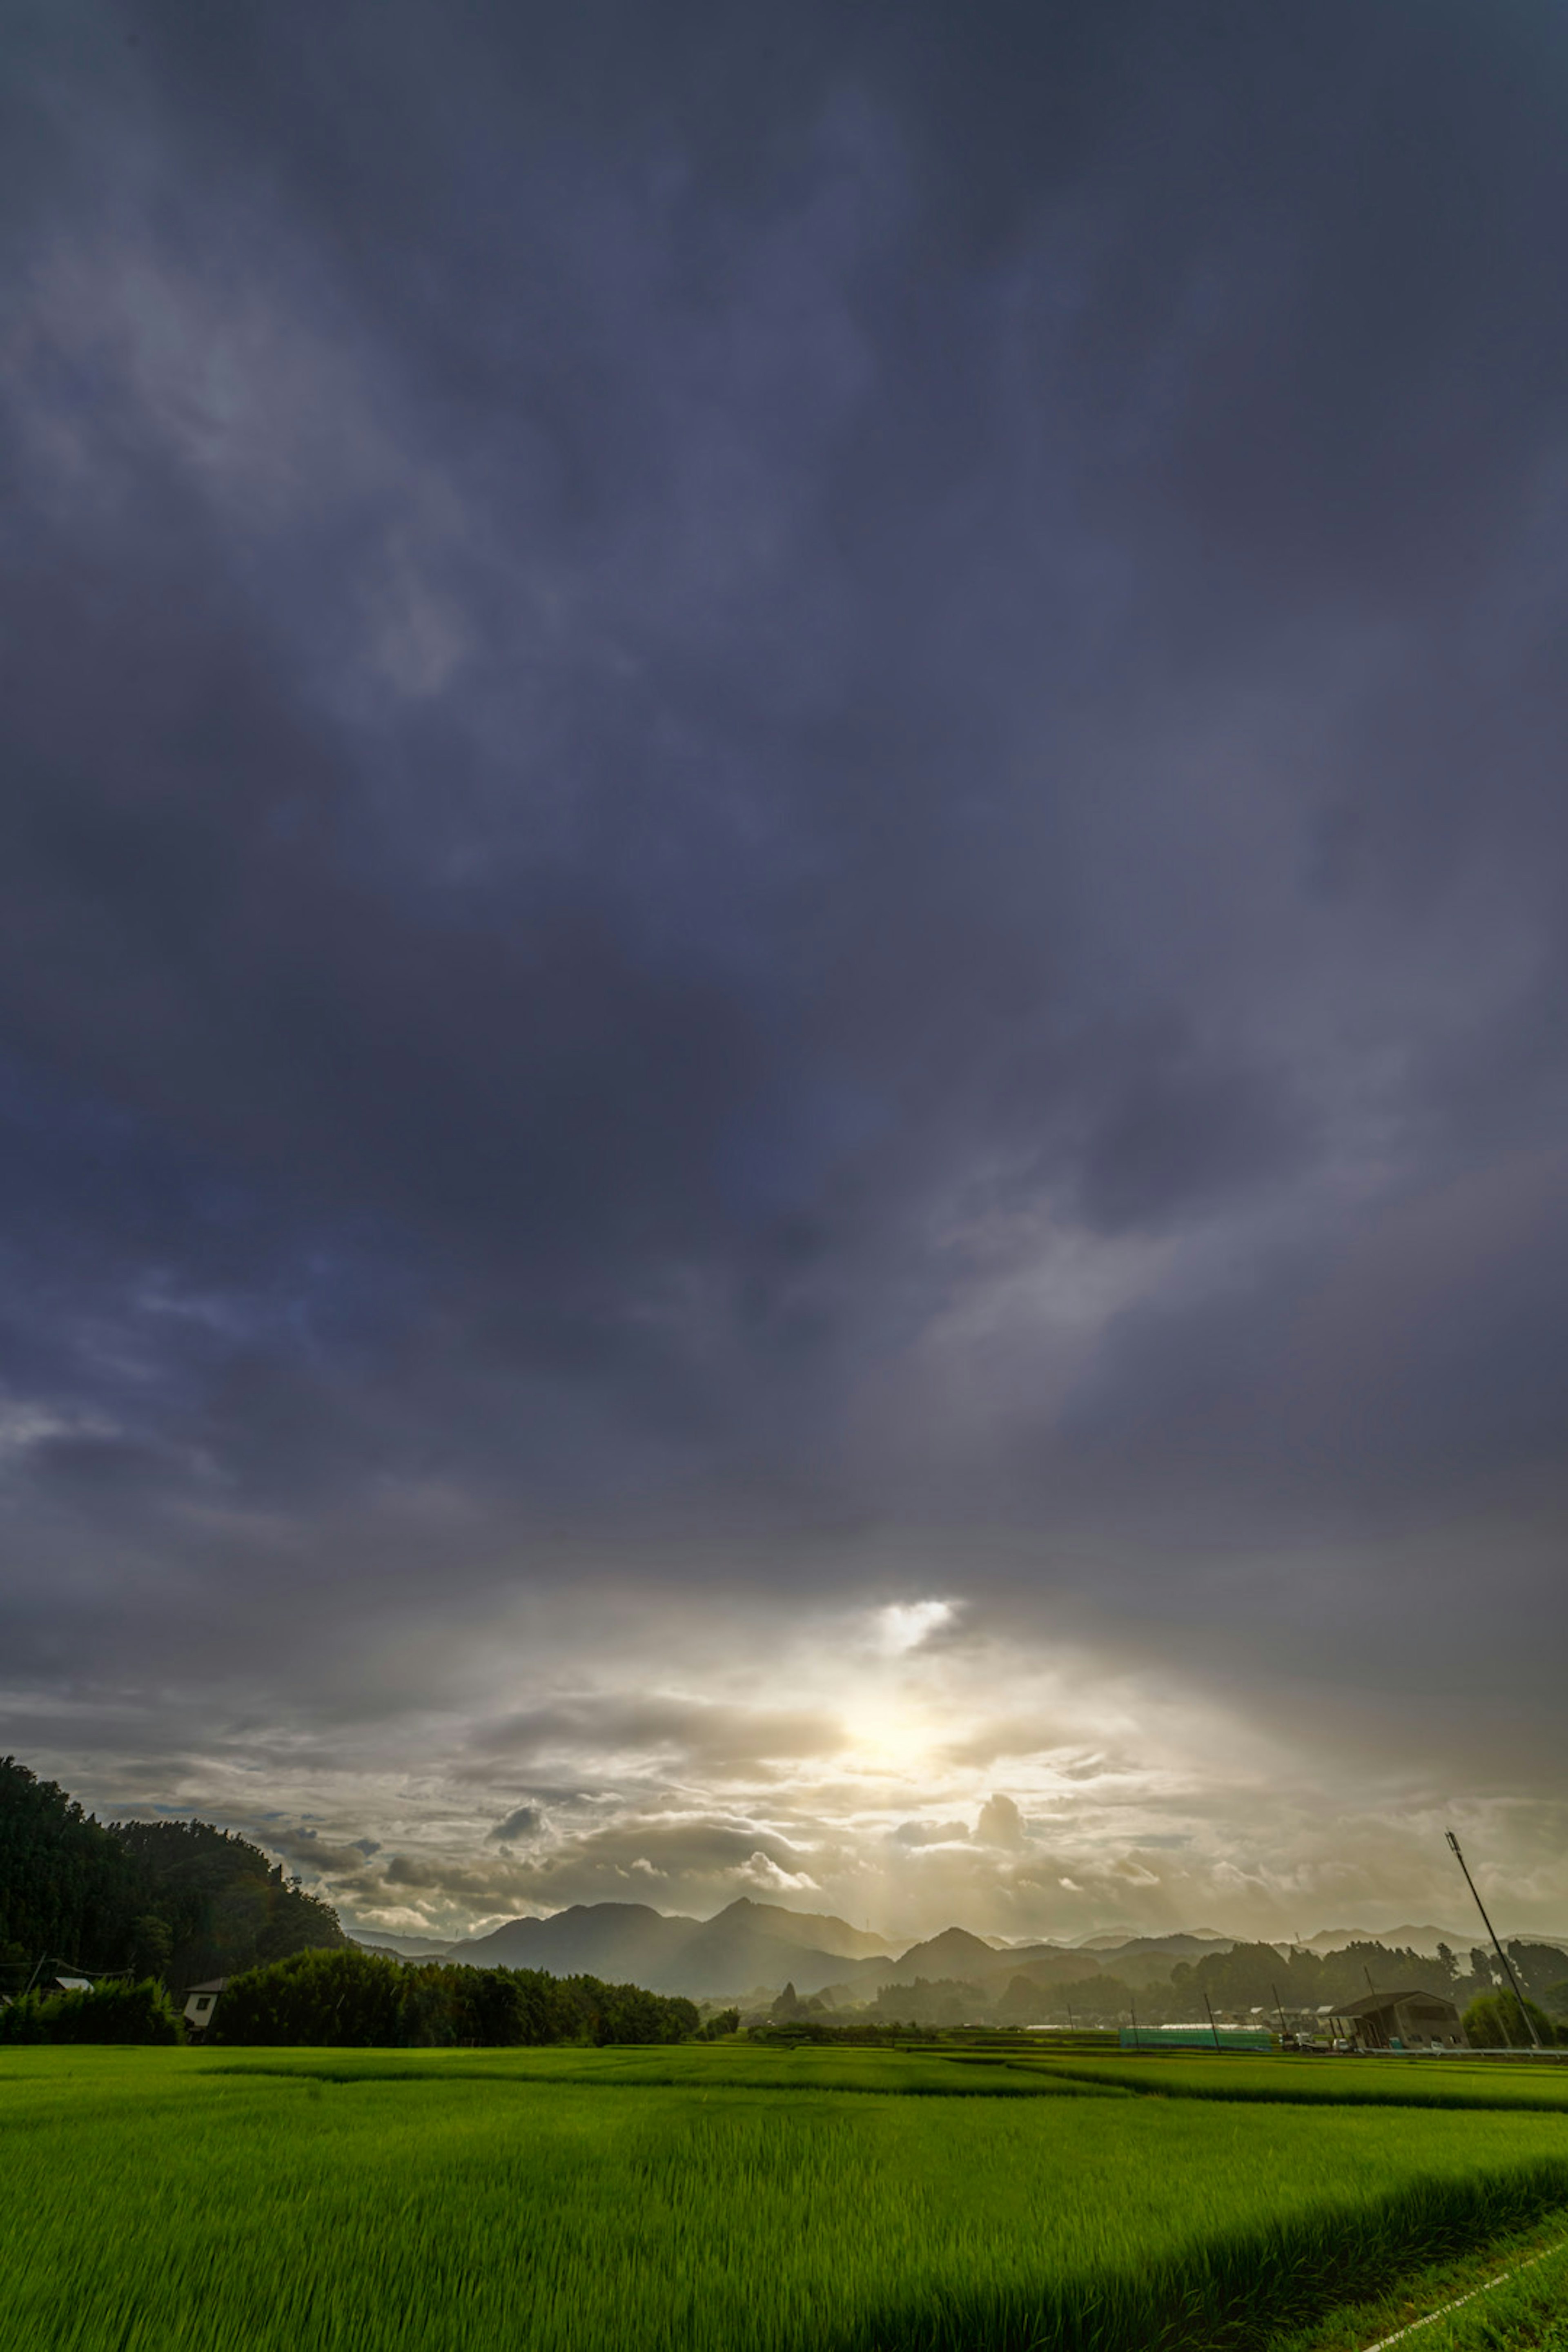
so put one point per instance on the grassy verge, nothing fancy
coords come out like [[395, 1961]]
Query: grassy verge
[[1529, 2308]]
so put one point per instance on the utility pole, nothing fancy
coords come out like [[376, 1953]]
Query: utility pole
[[1491, 1931], [1213, 2027], [1278, 2013], [1134, 2007]]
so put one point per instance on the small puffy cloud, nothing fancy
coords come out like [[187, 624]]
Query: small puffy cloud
[[1000, 1823], [395, 1919], [761, 1871], [527, 1821]]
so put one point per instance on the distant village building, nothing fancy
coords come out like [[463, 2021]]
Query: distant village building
[[1401, 2021], [62, 1981], [201, 2001]]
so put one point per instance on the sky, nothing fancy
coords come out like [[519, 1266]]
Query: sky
[[783, 872]]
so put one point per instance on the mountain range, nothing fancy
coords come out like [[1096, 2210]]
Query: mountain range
[[752, 1947], [747, 1945], [755, 1948]]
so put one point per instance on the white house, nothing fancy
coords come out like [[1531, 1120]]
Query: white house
[[200, 2001]]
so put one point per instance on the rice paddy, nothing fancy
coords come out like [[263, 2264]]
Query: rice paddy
[[736, 2198]]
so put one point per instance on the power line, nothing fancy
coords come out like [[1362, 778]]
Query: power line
[[1496, 1947]]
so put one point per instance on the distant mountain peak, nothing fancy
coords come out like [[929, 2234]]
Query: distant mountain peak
[[818, 1930], [952, 1946]]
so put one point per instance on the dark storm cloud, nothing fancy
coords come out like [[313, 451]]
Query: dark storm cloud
[[310, 1851], [524, 1822], [772, 773]]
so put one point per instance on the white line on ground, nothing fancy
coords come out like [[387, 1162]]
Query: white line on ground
[[1400, 2334]]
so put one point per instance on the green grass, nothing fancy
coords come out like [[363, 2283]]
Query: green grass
[[1527, 2310], [575, 2201], [1507, 2297]]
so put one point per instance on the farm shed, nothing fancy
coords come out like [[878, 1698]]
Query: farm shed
[[1401, 2021], [201, 2001]]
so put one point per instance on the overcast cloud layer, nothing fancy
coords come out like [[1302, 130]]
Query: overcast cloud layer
[[782, 856]]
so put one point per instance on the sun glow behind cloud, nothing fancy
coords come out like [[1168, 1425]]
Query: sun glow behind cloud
[[982, 1772], [891, 1738]]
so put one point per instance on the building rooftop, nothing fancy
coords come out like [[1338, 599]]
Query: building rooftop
[[1370, 2003]]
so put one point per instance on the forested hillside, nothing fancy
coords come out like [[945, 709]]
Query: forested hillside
[[180, 1900]]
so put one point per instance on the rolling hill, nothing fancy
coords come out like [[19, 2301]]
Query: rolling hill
[[748, 1944]]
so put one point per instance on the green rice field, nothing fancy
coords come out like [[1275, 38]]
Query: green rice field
[[1528, 2086], [745, 2198]]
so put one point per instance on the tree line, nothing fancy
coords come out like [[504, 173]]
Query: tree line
[[1231, 1985], [1252, 1975], [352, 1999], [347, 1998], [179, 1901]]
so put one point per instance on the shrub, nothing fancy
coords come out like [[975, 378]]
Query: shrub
[[316, 1999], [1492, 2021], [105, 2012]]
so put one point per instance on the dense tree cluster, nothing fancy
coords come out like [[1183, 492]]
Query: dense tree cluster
[[1251, 1975], [177, 1900], [354, 1999], [1231, 1985], [1494, 2021], [66, 1887]]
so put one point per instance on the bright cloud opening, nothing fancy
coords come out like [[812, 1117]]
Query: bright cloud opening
[[903, 1625]]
